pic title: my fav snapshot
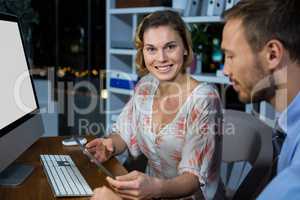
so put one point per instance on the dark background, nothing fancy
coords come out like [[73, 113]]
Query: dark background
[[69, 33]]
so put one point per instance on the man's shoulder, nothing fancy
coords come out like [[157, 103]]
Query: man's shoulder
[[287, 181]]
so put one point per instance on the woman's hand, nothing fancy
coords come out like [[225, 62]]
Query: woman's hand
[[105, 193], [101, 148], [136, 185]]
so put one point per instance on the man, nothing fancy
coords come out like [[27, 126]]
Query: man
[[261, 42]]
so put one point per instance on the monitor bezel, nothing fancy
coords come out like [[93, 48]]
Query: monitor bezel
[[24, 118]]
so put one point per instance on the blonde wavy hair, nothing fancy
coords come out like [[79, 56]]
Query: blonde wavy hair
[[162, 18]]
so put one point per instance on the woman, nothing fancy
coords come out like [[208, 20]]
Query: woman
[[172, 119]]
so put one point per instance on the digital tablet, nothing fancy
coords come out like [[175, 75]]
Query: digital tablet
[[91, 157]]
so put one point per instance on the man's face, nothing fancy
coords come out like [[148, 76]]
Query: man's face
[[244, 67]]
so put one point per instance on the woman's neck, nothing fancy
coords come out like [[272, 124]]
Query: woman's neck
[[179, 86]]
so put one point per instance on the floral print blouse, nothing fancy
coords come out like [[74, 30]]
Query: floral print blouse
[[191, 142]]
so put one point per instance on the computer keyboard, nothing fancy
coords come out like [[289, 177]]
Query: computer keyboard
[[64, 177]]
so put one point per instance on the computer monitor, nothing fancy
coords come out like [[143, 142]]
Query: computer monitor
[[20, 122]]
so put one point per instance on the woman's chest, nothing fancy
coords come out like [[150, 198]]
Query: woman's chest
[[165, 111]]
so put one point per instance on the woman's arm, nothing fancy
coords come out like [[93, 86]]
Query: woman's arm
[[119, 145], [104, 148], [105, 193], [180, 186], [141, 186]]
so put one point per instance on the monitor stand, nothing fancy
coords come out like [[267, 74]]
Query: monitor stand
[[15, 174]]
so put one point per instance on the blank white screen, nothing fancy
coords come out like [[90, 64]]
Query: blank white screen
[[17, 96]]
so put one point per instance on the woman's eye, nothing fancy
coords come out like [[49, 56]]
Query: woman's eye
[[150, 49], [171, 46]]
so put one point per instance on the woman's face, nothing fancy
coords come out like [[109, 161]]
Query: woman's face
[[163, 52]]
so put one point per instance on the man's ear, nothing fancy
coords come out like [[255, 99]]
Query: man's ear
[[274, 51]]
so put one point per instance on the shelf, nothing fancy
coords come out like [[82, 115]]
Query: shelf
[[120, 52], [131, 52], [120, 91], [138, 10], [203, 19], [212, 78]]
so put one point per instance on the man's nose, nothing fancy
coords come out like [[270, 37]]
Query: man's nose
[[226, 69]]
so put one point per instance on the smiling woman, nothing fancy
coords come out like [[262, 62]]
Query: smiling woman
[[171, 118], [163, 52], [175, 24]]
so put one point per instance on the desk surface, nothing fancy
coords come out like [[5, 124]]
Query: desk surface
[[36, 186]]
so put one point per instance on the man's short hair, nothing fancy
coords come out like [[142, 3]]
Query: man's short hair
[[264, 20]]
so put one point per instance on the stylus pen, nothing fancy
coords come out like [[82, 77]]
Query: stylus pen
[[91, 157]]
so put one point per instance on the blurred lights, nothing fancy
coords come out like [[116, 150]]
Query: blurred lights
[[64, 71], [104, 94]]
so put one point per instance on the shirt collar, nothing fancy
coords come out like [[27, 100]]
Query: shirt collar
[[290, 116]]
